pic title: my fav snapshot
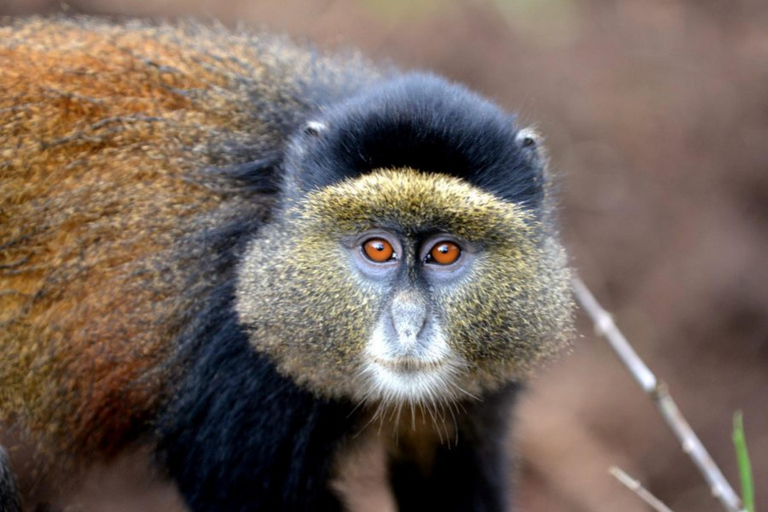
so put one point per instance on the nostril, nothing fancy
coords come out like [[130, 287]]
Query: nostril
[[409, 315]]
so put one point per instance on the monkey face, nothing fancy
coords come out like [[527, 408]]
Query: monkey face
[[401, 286]]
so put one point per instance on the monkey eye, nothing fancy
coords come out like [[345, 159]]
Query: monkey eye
[[379, 250], [443, 253]]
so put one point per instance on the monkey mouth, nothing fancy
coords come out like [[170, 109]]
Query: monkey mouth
[[397, 372], [410, 364], [409, 379]]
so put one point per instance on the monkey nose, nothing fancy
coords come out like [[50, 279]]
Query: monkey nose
[[409, 314]]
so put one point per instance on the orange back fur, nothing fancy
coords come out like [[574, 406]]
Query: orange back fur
[[100, 125]]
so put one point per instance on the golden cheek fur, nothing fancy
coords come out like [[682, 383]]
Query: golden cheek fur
[[513, 312], [303, 308]]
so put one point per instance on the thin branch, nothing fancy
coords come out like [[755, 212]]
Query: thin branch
[[636, 487], [658, 392]]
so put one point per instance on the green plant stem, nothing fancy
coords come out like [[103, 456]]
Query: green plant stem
[[745, 468]]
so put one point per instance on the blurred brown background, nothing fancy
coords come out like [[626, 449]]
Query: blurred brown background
[[656, 117]]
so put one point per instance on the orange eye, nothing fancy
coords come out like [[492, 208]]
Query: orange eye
[[445, 253], [378, 250]]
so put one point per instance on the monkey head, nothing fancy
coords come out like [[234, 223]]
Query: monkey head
[[413, 259]]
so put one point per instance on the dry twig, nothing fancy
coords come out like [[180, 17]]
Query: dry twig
[[637, 488], [658, 392]]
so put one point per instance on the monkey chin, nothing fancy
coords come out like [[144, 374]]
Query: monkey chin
[[423, 371]]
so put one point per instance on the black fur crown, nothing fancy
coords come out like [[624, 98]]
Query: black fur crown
[[423, 122]]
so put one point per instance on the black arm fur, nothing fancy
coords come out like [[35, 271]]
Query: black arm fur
[[10, 500], [241, 437], [470, 475]]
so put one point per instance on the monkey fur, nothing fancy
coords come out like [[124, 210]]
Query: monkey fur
[[10, 500], [180, 221]]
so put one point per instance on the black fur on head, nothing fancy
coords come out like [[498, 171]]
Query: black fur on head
[[423, 122]]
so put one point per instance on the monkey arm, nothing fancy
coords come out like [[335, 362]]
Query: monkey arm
[[10, 500], [472, 475], [240, 436]]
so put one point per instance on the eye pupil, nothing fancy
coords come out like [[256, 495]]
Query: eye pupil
[[378, 250], [444, 253]]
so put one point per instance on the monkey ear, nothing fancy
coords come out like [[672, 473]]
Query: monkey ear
[[529, 138], [315, 128]]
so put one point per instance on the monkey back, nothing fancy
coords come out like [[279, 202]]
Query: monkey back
[[106, 133]]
